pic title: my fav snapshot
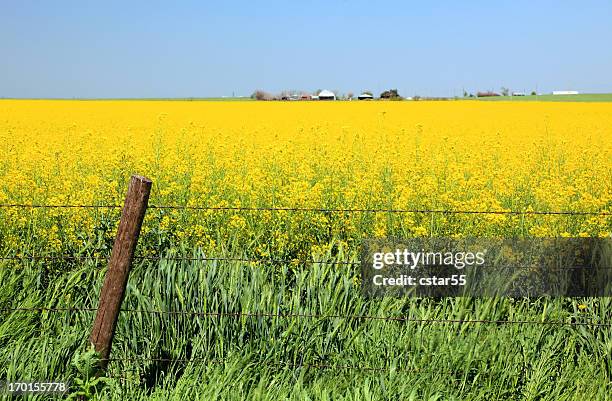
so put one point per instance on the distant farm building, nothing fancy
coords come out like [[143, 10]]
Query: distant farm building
[[518, 93], [565, 92], [327, 95], [314, 97], [487, 94], [305, 96], [365, 96]]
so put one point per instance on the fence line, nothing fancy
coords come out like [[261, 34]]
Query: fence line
[[44, 206], [268, 363], [361, 317], [248, 260], [256, 260], [120, 262], [48, 309], [180, 258], [322, 210], [292, 365], [52, 257], [419, 211], [319, 316]]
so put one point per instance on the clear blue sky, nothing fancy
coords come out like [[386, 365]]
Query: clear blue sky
[[216, 48]]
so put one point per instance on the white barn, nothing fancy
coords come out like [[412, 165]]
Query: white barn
[[327, 95]]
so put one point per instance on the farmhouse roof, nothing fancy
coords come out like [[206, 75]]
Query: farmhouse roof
[[326, 93]]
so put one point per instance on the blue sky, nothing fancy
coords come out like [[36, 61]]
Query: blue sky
[[184, 48]]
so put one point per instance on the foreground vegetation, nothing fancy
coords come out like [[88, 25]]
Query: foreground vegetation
[[458, 156], [300, 357]]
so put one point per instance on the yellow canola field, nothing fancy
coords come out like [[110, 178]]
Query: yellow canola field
[[461, 155]]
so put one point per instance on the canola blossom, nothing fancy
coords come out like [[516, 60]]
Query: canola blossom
[[441, 156]]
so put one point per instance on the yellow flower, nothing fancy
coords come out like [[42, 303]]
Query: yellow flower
[[420, 156]]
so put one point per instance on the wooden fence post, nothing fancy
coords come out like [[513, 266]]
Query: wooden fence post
[[119, 266]]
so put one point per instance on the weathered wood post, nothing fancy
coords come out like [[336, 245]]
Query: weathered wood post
[[119, 266]]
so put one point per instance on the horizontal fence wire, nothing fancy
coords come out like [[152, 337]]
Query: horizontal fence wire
[[320, 316], [291, 365], [45, 206], [360, 317], [100, 261], [323, 210], [422, 211], [271, 261], [53, 257], [48, 309], [247, 260], [181, 258], [350, 263], [223, 361]]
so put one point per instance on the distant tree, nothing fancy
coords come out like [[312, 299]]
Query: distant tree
[[505, 91], [465, 94], [533, 93], [350, 95], [261, 95], [390, 94]]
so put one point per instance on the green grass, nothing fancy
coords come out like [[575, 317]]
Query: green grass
[[283, 358], [586, 97], [181, 99]]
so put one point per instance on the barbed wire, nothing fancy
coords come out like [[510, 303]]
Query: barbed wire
[[181, 258], [243, 259], [59, 206], [99, 261], [275, 261], [320, 316], [351, 263], [321, 210], [48, 309], [292, 365], [360, 317], [369, 210], [53, 257]]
